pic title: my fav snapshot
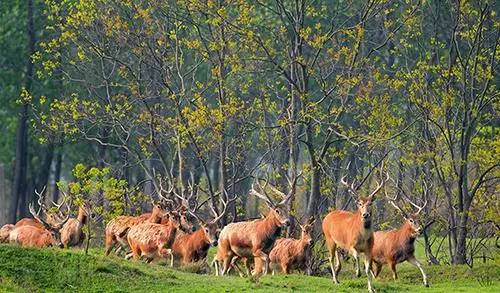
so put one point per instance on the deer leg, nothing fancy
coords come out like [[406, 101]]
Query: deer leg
[[355, 255], [286, 268], [247, 265], [416, 263], [392, 265], [110, 243], [338, 264], [171, 260], [215, 264], [261, 260], [227, 263], [376, 269], [332, 252], [368, 262]]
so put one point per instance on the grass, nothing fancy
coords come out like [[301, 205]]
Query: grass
[[56, 270]]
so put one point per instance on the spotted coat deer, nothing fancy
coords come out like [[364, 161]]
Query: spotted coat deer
[[352, 232]]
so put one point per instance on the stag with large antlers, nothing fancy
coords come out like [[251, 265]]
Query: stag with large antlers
[[51, 217], [33, 235], [191, 247], [398, 245], [255, 239], [352, 232]]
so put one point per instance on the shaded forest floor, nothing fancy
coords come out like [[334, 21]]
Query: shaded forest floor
[[55, 270]]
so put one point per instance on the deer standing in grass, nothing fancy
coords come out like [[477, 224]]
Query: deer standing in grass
[[29, 235], [255, 239], [289, 252], [116, 229], [72, 232], [398, 245], [192, 247], [153, 240], [352, 232]]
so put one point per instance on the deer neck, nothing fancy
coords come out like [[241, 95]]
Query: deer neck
[[82, 216], [270, 226], [365, 224], [406, 231]]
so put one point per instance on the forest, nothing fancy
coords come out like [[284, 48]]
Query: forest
[[224, 106]]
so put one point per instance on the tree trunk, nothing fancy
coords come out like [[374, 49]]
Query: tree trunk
[[19, 182], [57, 174]]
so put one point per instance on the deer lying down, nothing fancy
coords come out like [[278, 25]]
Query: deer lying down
[[398, 245], [28, 235], [5, 231], [289, 252]]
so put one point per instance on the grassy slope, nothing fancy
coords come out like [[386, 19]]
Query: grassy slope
[[23, 269]]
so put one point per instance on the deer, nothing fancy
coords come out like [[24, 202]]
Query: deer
[[398, 245], [152, 240], [5, 231], [28, 235], [255, 239], [192, 247], [290, 252], [72, 232], [116, 230], [51, 217], [352, 232]]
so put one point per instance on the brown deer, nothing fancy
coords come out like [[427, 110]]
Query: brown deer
[[352, 232], [255, 239], [398, 245], [28, 235], [192, 247], [116, 230], [152, 240], [72, 232], [51, 217], [289, 252], [5, 231]]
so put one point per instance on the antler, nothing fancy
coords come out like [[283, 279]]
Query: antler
[[392, 201], [379, 185], [43, 208], [225, 204], [264, 196], [350, 188]]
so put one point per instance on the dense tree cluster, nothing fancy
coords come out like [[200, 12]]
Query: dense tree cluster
[[220, 92]]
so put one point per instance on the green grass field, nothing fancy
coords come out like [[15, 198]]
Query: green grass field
[[56, 270]]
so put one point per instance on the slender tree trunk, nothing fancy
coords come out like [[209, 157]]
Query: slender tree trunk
[[19, 182], [57, 174]]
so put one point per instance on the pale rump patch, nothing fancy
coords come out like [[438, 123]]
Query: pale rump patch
[[5, 231]]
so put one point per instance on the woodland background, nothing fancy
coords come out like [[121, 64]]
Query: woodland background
[[106, 97]]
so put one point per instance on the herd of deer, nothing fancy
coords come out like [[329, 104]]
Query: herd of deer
[[169, 233]]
